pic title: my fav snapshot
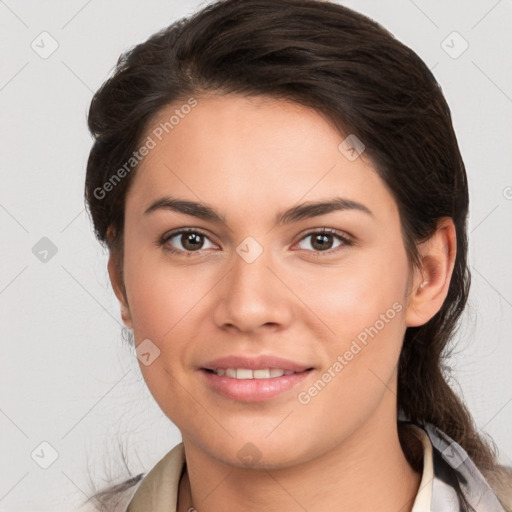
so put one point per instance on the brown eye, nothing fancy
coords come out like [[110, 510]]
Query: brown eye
[[191, 241], [325, 240], [185, 241]]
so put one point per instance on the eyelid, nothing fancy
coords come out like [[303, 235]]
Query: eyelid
[[328, 231]]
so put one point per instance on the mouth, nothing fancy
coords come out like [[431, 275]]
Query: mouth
[[247, 373], [253, 385]]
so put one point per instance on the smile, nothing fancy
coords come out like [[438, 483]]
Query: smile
[[246, 385], [246, 373]]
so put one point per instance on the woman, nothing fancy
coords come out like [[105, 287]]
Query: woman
[[284, 202]]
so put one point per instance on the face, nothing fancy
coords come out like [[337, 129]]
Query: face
[[323, 288]]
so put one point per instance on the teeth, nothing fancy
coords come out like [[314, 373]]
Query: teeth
[[261, 374], [242, 373], [245, 373]]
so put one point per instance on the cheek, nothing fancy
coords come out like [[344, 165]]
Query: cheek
[[354, 295], [160, 293], [362, 304], [364, 310], [162, 302]]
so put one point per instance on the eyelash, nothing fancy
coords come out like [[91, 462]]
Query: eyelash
[[346, 241]]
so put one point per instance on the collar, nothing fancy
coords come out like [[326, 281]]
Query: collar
[[454, 469], [158, 490]]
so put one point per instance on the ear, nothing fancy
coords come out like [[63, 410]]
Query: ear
[[431, 282], [117, 281]]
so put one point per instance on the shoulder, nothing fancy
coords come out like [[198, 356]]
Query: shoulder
[[500, 480], [114, 498], [496, 479], [138, 489]]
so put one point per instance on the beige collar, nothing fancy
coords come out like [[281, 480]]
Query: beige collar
[[159, 488], [423, 500]]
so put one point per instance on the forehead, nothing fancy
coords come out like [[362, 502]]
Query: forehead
[[250, 154]]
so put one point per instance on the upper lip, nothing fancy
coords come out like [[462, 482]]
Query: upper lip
[[255, 363]]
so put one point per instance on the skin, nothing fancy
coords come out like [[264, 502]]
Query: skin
[[250, 159]]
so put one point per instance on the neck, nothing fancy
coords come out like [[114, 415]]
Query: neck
[[367, 472]]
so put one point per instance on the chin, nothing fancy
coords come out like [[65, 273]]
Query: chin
[[257, 453]]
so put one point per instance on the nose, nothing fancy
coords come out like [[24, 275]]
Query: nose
[[253, 294]]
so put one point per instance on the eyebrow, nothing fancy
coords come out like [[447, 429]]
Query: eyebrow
[[300, 212]]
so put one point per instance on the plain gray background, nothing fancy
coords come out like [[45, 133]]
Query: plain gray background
[[67, 377]]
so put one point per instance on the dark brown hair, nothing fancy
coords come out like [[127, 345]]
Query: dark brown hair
[[361, 78]]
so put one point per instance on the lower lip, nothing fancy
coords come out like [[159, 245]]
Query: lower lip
[[253, 390]]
